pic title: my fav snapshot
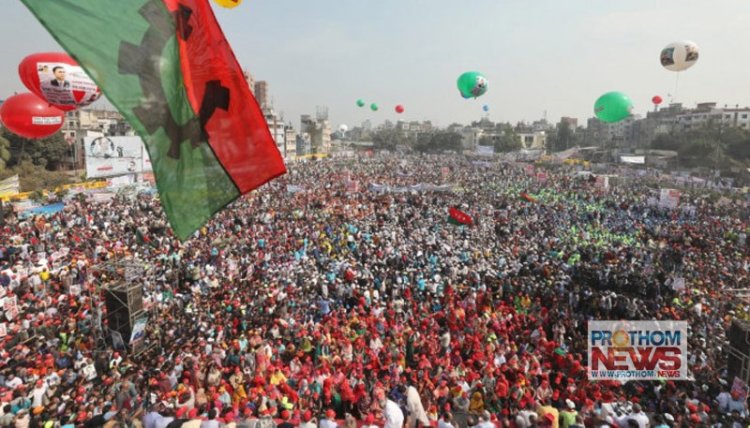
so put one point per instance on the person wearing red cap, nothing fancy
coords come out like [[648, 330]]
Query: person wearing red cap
[[286, 420], [307, 420], [329, 421], [546, 411]]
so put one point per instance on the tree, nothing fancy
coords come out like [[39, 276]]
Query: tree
[[4, 152], [388, 139], [47, 152], [509, 141], [439, 141], [562, 139]]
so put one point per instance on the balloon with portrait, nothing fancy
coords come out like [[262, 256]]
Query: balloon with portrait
[[679, 56], [472, 84], [57, 78], [29, 116]]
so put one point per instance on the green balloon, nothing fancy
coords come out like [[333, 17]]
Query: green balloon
[[374, 107], [472, 84], [613, 107], [360, 102]]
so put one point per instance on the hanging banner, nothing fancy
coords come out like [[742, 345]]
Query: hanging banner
[[637, 160], [10, 186]]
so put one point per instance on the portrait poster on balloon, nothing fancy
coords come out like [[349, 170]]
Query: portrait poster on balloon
[[112, 156], [66, 85], [667, 56]]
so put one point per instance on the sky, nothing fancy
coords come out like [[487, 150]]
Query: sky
[[553, 56]]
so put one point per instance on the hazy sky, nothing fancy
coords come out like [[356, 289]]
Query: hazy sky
[[553, 55]]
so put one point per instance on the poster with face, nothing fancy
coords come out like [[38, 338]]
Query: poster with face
[[667, 56], [691, 52], [66, 85]]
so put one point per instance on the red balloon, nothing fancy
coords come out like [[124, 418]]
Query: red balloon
[[399, 109], [59, 79], [30, 116], [656, 100]]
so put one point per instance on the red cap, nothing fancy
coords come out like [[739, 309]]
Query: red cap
[[307, 416], [330, 414]]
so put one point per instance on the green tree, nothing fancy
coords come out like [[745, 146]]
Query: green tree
[[562, 139], [47, 152], [388, 139], [439, 141], [4, 152], [35, 177], [509, 141]]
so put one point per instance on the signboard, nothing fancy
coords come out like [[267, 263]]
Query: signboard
[[637, 160], [669, 198], [139, 330], [111, 156], [637, 350]]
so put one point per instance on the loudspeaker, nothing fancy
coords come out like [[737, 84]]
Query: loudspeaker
[[124, 306]]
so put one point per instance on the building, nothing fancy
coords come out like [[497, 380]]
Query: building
[[277, 127], [533, 140], [571, 121], [290, 139], [250, 81], [83, 123], [261, 94], [319, 132], [707, 114]]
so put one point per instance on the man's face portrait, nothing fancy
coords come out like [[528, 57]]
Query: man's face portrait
[[59, 73]]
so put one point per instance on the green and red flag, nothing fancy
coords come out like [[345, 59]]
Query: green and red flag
[[528, 198], [167, 67], [456, 216]]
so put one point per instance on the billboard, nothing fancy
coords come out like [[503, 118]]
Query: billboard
[[111, 156]]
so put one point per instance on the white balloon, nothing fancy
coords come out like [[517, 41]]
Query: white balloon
[[679, 56], [343, 128]]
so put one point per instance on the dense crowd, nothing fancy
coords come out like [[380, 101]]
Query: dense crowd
[[317, 301]]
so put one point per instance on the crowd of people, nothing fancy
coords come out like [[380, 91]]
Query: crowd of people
[[341, 295]]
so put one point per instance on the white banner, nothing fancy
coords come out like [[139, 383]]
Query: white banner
[[111, 156], [639, 160], [485, 150], [10, 186]]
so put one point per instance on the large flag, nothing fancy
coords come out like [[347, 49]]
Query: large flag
[[167, 67], [457, 216]]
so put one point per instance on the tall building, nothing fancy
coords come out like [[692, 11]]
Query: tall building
[[571, 121], [319, 132], [261, 93], [277, 127], [250, 81]]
